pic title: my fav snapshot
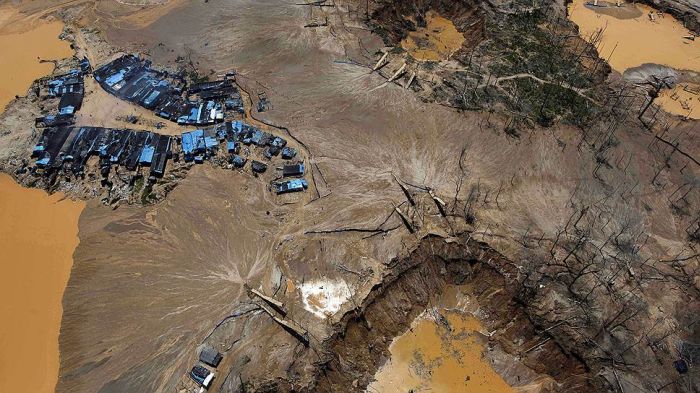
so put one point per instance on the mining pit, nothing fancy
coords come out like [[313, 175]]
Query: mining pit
[[517, 172]]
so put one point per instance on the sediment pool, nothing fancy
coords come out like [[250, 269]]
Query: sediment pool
[[438, 40], [38, 235], [440, 353]]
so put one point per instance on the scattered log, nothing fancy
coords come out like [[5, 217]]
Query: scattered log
[[293, 328], [405, 220], [319, 3], [317, 24], [408, 195], [380, 63], [439, 203], [398, 73], [410, 80], [276, 304]]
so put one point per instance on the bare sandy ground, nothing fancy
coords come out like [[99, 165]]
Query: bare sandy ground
[[100, 107]]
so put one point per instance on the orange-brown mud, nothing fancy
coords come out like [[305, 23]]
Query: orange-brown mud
[[38, 235], [438, 40], [21, 52], [445, 356]]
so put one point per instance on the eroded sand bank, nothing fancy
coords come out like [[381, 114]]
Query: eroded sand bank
[[21, 52], [38, 235]]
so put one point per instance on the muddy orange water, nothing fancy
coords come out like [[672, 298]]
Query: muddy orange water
[[434, 357], [19, 63], [38, 234], [636, 41], [683, 99], [437, 41], [632, 41]]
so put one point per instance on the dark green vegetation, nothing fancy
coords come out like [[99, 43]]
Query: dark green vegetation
[[533, 66], [526, 61]]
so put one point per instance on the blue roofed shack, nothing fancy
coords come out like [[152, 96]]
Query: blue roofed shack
[[192, 143], [288, 153], [115, 78], [295, 185], [151, 98], [293, 170], [146, 157], [210, 142]]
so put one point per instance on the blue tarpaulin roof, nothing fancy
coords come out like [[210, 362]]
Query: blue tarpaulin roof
[[210, 142], [192, 141], [116, 78], [291, 186], [194, 115], [43, 161], [149, 100], [147, 155], [67, 110]]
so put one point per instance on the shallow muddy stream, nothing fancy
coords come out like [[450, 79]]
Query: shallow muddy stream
[[635, 34], [38, 235]]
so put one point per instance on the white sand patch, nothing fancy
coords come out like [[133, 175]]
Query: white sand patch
[[324, 298]]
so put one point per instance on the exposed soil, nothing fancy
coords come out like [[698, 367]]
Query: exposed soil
[[151, 284]]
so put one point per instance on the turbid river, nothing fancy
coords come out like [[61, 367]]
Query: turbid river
[[38, 232], [23, 43], [37, 237], [631, 37]]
